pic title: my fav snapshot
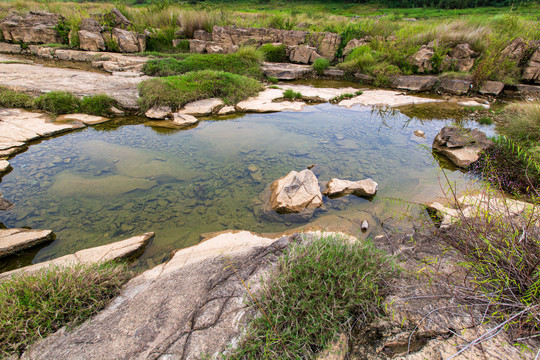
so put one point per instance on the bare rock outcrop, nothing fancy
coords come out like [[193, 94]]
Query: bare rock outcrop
[[460, 145], [35, 27], [353, 44], [422, 59], [297, 192], [460, 58], [129, 41], [15, 240], [338, 187], [532, 71], [91, 41]]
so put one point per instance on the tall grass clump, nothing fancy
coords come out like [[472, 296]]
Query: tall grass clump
[[521, 122], [274, 53], [243, 63], [192, 20], [176, 91], [58, 102], [35, 305], [99, 104], [15, 99], [321, 287], [321, 64]]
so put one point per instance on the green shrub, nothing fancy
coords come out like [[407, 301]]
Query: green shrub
[[274, 53], [176, 91], [35, 305], [321, 64], [521, 123], [14, 99], [320, 288], [250, 54], [361, 59], [97, 105], [272, 80], [58, 102], [112, 45], [292, 95], [240, 64]]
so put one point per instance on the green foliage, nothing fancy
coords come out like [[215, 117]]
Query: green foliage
[[321, 287], [341, 97], [449, 4], [272, 80], [361, 59], [99, 104], [63, 29], [58, 102], [176, 91], [35, 305], [250, 54], [290, 94], [111, 44], [321, 64], [162, 41], [274, 53], [14, 99], [485, 121], [232, 63], [521, 123]]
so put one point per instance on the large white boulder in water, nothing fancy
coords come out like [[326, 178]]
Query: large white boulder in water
[[297, 192], [338, 187], [462, 146]]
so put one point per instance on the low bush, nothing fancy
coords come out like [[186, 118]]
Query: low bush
[[15, 99], [242, 64], [274, 53], [321, 287], [97, 105], [58, 102], [161, 41], [321, 64], [176, 91], [35, 305]]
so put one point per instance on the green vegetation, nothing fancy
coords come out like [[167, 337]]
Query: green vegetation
[[57, 102], [321, 64], [341, 97], [176, 91], [274, 53], [320, 288], [35, 305], [241, 63], [292, 95], [521, 123]]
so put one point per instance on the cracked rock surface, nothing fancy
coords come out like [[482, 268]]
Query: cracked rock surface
[[188, 307]]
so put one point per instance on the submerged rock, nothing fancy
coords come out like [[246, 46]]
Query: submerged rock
[[14, 240], [5, 204], [297, 192], [460, 145], [338, 187]]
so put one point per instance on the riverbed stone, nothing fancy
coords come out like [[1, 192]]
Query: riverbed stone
[[493, 88], [384, 98], [10, 48], [226, 110], [462, 146], [184, 120], [338, 187], [297, 192], [84, 118], [158, 112], [91, 41], [202, 107], [455, 86], [354, 43], [128, 41], [415, 83], [24, 124], [120, 250], [15, 240], [286, 71], [4, 166], [5, 204], [422, 59]]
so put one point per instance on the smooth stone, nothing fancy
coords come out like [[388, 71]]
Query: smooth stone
[[158, 112], [15, 240], [472, 103], [385, 98], [226, 110], [296, 192], [338, 187], [4, 166], [461, 146], [202, 107], [84, 118], [184, 120], [420, 133]]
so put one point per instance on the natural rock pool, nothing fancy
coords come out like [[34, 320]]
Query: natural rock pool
[[124, 178]]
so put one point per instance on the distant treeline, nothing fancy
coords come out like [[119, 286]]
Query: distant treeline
[[450, 4]]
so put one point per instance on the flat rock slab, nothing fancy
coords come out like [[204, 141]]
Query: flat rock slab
[[84, 118], [338, 187], [183, 309], [264, 102], [81, 83], [462, 146], [202, 107], [4, 166], [15, 240], [286, 71], [118, 250], [385, 98], [184, 120]]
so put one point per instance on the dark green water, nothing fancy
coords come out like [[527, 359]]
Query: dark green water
[[108, 183]]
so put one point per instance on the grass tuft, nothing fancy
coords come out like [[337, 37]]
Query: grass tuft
[[176, 91], [321, 64], [321, 287], [33, 306], [292, 95]]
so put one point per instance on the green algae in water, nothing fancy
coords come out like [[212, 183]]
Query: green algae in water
[[108, 183]]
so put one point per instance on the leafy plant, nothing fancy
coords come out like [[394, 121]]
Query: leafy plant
[[321, 64], [290, 94], [274, 53], [58, 102]]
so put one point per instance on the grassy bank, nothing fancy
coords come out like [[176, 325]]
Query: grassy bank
[[176, 91], [36, 305], [320, 288], [57, 102]]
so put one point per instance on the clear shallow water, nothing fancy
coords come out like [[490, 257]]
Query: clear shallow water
[[107, 183]]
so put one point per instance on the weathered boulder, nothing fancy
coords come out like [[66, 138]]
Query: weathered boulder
[[532, 71], [202, 107], [460, 58], [202, 35], [15, 240], [184, 120], [297, 192], [227, 110], [338, 187], [354, 43], [197, 46], [491, 88], [516, 50], [128, 41], [462, 146], [35, 27], [303, 54], [455, 86], [422, 59], [286, 71], [117, 19], [328, 46], [158, 112], [91, 25], [91, 41], [10, 48], [125, 249], [415, 83], [4, 166]]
